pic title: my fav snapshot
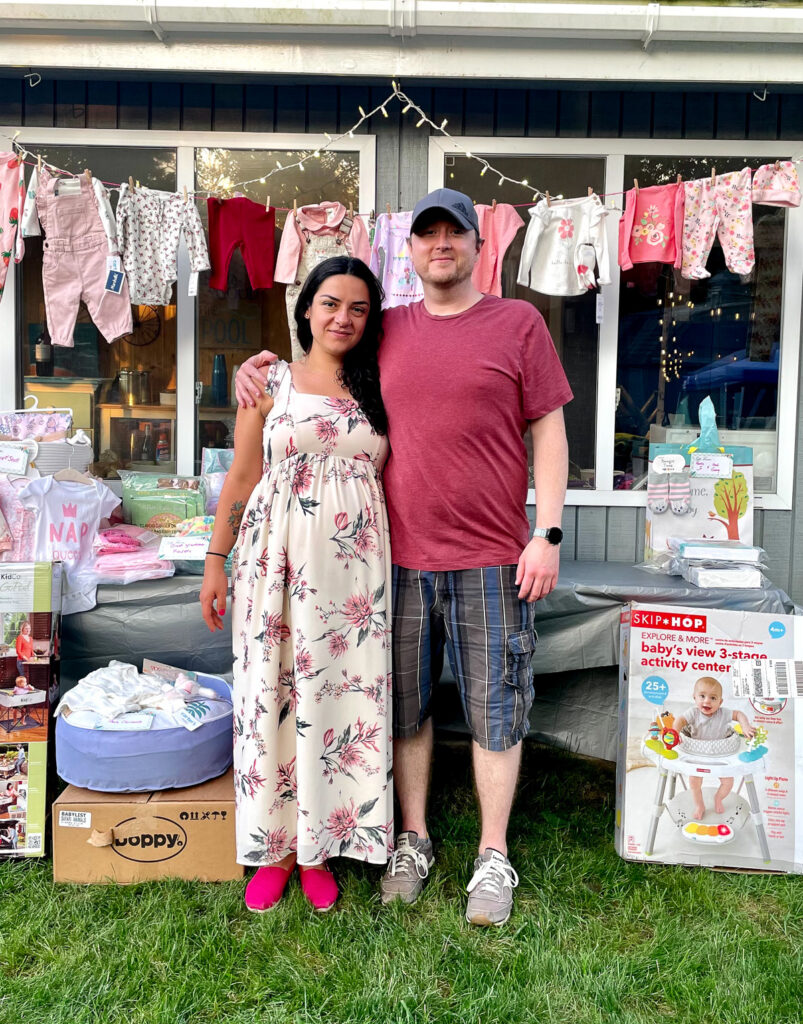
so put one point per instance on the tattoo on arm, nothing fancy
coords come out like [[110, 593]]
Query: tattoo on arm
[[236, 517]]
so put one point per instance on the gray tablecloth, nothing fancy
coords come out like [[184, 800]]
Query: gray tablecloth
[[578, 624]]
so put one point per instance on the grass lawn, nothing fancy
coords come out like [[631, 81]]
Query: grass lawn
[[592, 939]]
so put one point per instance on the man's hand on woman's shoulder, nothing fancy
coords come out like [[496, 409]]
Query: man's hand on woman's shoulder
[[249, 384]]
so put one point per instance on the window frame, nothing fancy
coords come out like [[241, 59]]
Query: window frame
[[614, 151], [184, 143]]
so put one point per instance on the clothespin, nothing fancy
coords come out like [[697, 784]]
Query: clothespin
[[680, 179], [131, 183], [635, 184], [777, 165], [351, 211], [88, 174], [137, 182], [185, 193], [267, 204], [548, 199], [372, 216], [590, 191], [295, 208], [493, 206], [713, 176], [387, 208], [39, 163]]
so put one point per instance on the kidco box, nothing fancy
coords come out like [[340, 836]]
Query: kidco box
[[709, 738]]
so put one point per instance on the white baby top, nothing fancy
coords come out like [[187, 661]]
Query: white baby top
[[708, 727], [68, 516], [391, 260], [562, 243]]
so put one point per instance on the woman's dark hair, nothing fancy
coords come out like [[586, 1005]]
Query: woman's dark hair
[[360, 373]]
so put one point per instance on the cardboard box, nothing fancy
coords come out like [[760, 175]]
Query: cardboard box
[[136, 837], [665, 650]]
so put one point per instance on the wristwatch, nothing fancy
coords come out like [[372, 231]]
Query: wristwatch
[[553, 534]]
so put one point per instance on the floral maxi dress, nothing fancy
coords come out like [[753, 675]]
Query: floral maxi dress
[[311, 638]]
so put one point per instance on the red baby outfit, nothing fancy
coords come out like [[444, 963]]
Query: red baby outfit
[[651, 228], [242, 222]]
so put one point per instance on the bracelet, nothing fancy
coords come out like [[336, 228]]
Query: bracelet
[[217, 554]]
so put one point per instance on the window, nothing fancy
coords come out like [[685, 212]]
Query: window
[[664, 342], [114, 390], [157, 383], [234, 324]]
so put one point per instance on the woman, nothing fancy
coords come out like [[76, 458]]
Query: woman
[[24, 646], [311, 586]]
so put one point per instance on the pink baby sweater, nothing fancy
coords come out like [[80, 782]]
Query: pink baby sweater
[[323, 219], [498, 227], [651, 228]]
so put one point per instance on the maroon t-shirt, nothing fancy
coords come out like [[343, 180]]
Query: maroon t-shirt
[[460, 391]]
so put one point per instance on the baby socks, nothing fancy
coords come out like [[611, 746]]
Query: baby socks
[[657, 492], [668, 490], [679, 493]]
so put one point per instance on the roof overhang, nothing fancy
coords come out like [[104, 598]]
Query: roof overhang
[[462, 39]]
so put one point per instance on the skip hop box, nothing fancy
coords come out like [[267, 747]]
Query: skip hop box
[[135, 837], [710, 740]]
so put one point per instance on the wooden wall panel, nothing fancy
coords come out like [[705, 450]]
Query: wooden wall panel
[[70, 104], [699, 110], [102, 105], [667, 115], [322, 109], [479, 116], [38, 104], [573, 113], [291, 109], [731, 119], [777, 541], [606, 114], [622, 530], [196, 107], [591, 527], [791, 116], [511, 112], [227, 109], [165, 106], [542, 113], [260, 107], [636, 115], [11, 100], [134, 99], [763, 117], [388, 146]]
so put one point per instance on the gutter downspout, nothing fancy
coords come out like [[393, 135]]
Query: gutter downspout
[[153, 20]]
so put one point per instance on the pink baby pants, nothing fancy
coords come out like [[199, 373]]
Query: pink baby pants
[[12, 199], [74, 267], [723, 209]]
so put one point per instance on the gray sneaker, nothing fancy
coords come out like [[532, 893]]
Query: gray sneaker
[[408, 868], [490, 891]]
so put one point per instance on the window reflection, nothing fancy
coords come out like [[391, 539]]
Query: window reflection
[[123, 394], [682, 340]]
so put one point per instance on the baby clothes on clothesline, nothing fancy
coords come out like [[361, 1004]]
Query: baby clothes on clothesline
[[651, 228], [722, 208], [75, 260], [777, 184], [30, 222], [499, 225], [149, 227], [12, 199], [309, 237], [391, 260], [564, 240], [241, 221], [19, 519]]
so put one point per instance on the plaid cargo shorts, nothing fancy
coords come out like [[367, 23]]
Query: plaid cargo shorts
[[489, 638]]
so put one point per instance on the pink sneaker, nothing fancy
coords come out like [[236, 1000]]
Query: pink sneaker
[[265, 889], [319, 886]]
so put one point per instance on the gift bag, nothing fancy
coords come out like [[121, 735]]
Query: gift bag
[[698, 491]]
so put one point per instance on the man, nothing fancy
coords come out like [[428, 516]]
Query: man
[[463, 376]]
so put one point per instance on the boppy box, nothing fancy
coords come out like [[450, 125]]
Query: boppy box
[[710, 738], [135, 837]]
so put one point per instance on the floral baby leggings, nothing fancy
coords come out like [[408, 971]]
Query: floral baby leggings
[[723, 208]]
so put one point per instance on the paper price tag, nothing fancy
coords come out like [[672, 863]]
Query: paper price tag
[[711, 465], [600, 307], [114, 282], [191, 548], [114, 263], [192, 288], [13, 459], [668, 463], [170, 672]]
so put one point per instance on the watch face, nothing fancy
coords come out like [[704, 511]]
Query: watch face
[[554, 535]]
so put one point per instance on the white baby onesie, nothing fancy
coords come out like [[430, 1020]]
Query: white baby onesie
[[563, 242], [67, 521]]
